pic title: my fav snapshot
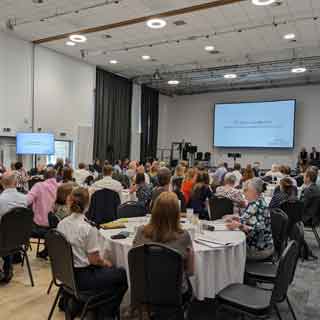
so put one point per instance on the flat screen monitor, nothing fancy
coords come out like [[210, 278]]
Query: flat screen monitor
[[35, 143], [254, 124]]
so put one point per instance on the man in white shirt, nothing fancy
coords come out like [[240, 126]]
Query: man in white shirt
[[10, 198], [81, 174], [107, 182], [236, 172]]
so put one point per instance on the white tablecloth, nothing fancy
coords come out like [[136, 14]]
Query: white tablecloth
[[215, 268]]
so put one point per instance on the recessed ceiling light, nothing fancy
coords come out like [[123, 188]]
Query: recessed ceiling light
[[70, 43], [113, 61], [78, 38], [209, 48], [299, 70], [146, 57], [156, 23], [289, 36], [230, 76], [173, 82], [262, 2]]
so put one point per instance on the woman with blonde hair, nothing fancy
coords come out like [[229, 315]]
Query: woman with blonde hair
[[165, 228]]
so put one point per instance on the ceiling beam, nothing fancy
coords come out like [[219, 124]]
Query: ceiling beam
[[126, 23]]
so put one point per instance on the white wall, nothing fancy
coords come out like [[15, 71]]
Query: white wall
[[191, 118], [15, 85], [64, 96]]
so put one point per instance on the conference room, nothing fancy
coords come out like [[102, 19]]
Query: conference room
[[159, 159]]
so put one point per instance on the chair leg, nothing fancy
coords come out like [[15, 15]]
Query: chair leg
[[50, 287], [54, 304], [316, 234], [277, 312], [28, 267], [38, 247], [84, 311], [291, 309]]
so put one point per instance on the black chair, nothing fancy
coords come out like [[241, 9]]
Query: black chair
[[61, 260], [131, 209], [219, 207], [34, 180], [267, 179], [103, 206], [15, 232], [311, 217], [154, 286], [257, 302], [294, 211], [266, 272], [39, 233], [279, 226]]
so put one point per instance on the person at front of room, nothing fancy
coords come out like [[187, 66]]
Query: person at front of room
[[255, 221], [165, 228], [92, 271], [10, 198], [303, 156]]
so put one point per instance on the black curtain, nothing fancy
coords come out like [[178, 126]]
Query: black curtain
[[112, 124], [149, 123]]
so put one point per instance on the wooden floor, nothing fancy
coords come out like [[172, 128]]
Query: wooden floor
[[20, 301]]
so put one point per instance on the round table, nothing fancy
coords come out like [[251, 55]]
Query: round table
[[216, 265]]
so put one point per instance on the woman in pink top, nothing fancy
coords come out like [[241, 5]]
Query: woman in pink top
[[42, 197]]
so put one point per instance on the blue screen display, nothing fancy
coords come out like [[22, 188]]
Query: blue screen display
[[255, 125], [35, 143]]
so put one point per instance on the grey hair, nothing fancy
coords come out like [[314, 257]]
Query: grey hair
[[230, 178], [256, 183], [8, 180]]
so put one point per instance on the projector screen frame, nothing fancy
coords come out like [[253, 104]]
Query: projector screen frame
[[250, 147], [35, 154]]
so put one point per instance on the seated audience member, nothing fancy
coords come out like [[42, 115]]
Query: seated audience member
[[154, 173], [188, 184], [229, 191], [97, 166], [286, 171], [237, 173], [179, 172], [287, 191], [92, 271], [164, 178], [107, 182], [42, 197], [214, 184], [165, 228], [248, 174], [59, 169], [255, 221], [142, 189], [221, 172], [80, 175], [256, 169], [275, 172], [10, 198], [201, 192], [117, 166], [21, 177], [122, 178], [67, 176], [61, 209], [132, 170], [176, 183], [309, 193], [140, 169], [147, 167]]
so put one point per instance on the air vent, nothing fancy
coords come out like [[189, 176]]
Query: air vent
[[214, 52], [153, 60], [179, 23], [106, 36]]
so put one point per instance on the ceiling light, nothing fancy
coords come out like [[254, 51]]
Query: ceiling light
[[78, 38], [230, 76], [156, 23], [173, 82], [289, 36], [146, 57], [263, 2], [299, 70], [70, 43], [113, 61], [209, 48]]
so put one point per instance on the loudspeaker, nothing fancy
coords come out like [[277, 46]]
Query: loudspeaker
[[207, 156], [199, 156]]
